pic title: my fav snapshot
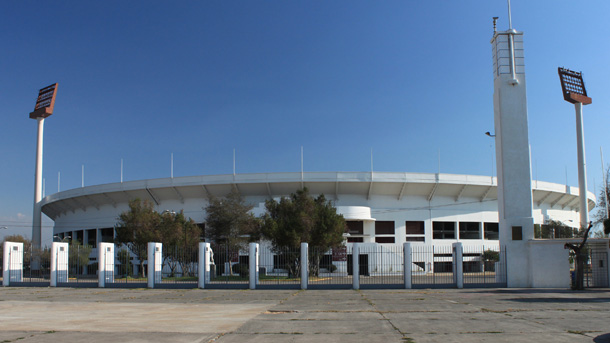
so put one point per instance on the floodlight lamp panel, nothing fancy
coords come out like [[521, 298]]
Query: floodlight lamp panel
[[573, 86]]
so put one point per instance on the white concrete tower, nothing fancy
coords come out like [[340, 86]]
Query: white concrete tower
[[512, 154]]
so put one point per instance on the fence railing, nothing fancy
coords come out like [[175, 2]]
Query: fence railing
[[432, 266], [280, 268], [361, 265], [81, 271], [228, 267], [329, 268], [484, 266], [381, 266], [180, 266]]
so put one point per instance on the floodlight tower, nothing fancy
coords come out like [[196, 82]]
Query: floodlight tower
[[44, 108], [573, 88], [516, 223]]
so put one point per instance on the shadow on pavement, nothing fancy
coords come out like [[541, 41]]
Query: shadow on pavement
[[605, 338], [559, 300]]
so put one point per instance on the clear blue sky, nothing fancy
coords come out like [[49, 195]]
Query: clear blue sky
[[141, 80]]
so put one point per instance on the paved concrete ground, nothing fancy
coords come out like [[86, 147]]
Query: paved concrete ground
[[31, 315]]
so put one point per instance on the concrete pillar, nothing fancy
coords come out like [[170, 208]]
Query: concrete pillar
[[253, 265], [105, 264], [408, 264], [12, 263], [458, 264], [59, 263], [304, 265], [203, 267], [356, 265], [516, 223], [155, 260]]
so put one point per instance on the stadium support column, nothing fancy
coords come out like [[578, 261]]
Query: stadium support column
[[513, 155]]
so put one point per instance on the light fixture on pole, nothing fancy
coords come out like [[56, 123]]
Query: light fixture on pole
[[44, 108], [574, 91]]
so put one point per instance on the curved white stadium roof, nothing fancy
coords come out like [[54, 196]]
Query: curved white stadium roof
[[331, 184]]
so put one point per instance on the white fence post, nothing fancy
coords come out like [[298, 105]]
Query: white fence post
[[155, 260], [408, 264], [59, 263], [12, 263], [253, 265], [105, 264], [203, 267], [458, 265], [304, 265], [356, 265]]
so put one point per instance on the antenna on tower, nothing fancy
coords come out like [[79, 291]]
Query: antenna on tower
[[510, 20], [495, 21]]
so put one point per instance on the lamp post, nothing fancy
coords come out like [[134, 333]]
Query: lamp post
[[61, 239], [573, 88]]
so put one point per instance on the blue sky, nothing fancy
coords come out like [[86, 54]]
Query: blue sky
[[139, 81]]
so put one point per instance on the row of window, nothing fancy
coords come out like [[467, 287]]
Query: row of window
[[415, 231]]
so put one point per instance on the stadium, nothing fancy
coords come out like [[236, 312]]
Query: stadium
[[380, 207]]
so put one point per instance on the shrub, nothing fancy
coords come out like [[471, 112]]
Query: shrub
[[241, 269]]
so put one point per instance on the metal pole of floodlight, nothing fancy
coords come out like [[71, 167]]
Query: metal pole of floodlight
[[573, 88], [43, 109]]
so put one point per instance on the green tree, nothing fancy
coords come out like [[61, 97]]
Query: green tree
[[229, 221], [601, 217], [302, 218], [124, 257], [180, 237], [579, 251], [230, 226], [136, 227], [79, 256], [27, 246]]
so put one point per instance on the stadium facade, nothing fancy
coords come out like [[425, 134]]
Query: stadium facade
[[382, 207]]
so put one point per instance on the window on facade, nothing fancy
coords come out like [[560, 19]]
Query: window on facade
[[355, 227], [107, 235], [491, 231], [415, 239], [415, 227], [201, 227], [384, 231], [384, 239], [470, 230], [384, 227], [79, 236], [91, 238], [443, 230]]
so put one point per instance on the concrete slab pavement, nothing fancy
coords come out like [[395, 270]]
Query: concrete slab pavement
[[143, 315]]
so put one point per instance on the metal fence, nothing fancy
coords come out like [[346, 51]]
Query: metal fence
[[280, 269], [81, 272], [484, 266], [180, 267], [432, 266], [596, 270], [328, 268], [381, 266], [229, 268], [36, 267], [128, 271]]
